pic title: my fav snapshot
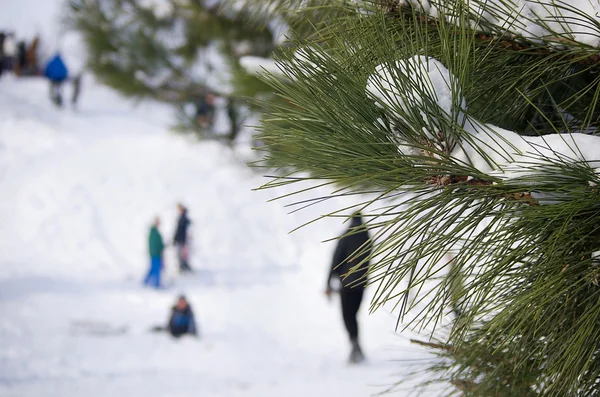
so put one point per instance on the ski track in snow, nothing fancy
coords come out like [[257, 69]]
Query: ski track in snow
[[79, 189]]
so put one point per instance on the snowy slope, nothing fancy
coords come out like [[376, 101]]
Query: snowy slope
[[78, 190], [116, 171]]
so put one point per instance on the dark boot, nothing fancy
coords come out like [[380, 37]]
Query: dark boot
[[356, 355], [184, 267]]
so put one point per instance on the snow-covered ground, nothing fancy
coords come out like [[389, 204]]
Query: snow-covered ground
[[78, 190]]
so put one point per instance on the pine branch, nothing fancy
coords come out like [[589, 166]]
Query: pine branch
[[431, 117], [584, 55], [144, 55]]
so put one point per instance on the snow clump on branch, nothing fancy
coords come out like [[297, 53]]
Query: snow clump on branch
[[408, 98], [385, 82], [258, 65], [160, 8], [421, 85]]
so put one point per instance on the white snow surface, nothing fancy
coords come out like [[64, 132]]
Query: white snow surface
[[79, 189], [572, 20], [160, 8]]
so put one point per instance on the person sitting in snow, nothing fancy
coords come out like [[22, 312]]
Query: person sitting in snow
[[182, 320], [156, 248]]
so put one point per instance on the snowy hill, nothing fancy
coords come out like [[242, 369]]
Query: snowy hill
[[79, 189], [89, 182]]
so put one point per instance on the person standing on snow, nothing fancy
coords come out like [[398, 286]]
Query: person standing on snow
[[76, 89], [31, 67], [21, 66], [2, 38], [350, 264], [181, 239], [156, 248], [56, 72], [205, 111], [9, 52]]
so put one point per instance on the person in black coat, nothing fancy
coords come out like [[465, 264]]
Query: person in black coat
[[205, 111], [350, 264], [181, 239], [182, 321]]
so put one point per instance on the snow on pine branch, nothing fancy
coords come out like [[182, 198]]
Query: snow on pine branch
[[490, 149], [304, 59], [549, 20], [160, 8], [258, 65], [437, 89]]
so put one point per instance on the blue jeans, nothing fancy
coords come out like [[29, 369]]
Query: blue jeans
[[153, 277]]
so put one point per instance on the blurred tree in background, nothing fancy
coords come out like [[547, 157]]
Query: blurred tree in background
[[177, 52]]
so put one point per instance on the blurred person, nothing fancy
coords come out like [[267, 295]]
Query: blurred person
[[56, 71], [76, 89], [181, 239], [21, 58], [181, 321], [350, 265], [155, 248], [9, 52], [30, 64], [233, 115], [205, 111], [2, 38]]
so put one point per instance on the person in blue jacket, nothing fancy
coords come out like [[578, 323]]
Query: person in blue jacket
[[56, 71], [182, 320], [156, 247]]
